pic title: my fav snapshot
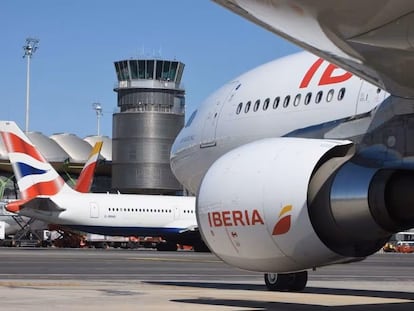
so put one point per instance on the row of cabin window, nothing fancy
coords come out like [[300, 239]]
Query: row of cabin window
[[112, 209], [296, 101]]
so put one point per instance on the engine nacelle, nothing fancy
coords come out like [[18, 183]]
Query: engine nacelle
[[279, 205]]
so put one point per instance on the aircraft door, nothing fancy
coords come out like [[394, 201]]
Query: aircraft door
[[208, 138], [176, 213], [369, 97], [94, 210]]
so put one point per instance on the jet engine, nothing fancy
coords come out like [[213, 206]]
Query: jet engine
[[289, 204]]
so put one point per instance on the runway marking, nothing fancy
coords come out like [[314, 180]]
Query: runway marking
[[174, 259], [18, 283]]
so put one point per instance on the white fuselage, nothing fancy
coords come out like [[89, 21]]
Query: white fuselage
[[121, 214], [222, 122]]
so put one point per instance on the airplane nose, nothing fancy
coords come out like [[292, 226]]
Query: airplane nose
[[175, 146]]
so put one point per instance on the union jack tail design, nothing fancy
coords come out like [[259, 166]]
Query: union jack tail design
[[86, 176], [34, 175]]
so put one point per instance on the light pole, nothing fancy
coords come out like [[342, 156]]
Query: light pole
[[98, 109], [30, 47]]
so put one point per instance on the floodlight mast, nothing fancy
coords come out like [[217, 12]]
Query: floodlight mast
[[98, 109], [30, 47]]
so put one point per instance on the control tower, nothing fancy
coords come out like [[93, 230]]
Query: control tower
[[152, 105]]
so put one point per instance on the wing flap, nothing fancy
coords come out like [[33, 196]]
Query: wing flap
[[193, 228]]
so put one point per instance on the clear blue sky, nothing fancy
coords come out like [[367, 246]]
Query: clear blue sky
[[80, 40]]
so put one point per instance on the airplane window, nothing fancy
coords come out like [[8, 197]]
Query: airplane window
[[190, 120], [286, 101], [341, 94], [256, 105], [247, 108], [378, 90], [330, 95], [239, 108], [297, 100], [276, 102], [266, 103], [318, 97], [308, 98], [117, 209]]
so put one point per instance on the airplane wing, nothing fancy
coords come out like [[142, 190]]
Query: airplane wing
[[193, 228], [373, 39], [31, 207]]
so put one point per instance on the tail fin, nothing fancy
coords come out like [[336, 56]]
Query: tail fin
[[86, 176], [35, 176]]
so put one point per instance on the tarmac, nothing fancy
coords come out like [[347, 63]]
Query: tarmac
[[88, 279]]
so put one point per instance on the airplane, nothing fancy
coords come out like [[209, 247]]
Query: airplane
[[45, 196], [307, 161], [85, 179], [14, 222]]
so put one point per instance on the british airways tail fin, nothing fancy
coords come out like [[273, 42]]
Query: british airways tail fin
[[34, 175], [85, 179]]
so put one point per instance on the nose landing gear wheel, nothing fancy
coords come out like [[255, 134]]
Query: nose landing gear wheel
[[291, 282]]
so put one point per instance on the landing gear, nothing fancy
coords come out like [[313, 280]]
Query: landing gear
[[167, 246], [290, 282], [201, 247]]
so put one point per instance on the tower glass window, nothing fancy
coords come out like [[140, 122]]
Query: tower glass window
[[149, 73], [141, 72], [133, 64], [173, 71], [165, 70], [123, 70]]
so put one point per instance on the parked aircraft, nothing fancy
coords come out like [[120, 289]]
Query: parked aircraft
[[300, 164], [85, 179], [14, 222], [45, 196]]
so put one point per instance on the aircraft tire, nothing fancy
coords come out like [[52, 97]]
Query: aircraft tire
[[291, 282], [167, 247], [201, 247]]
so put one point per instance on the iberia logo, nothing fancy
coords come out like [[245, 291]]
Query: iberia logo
[[283, 224]]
